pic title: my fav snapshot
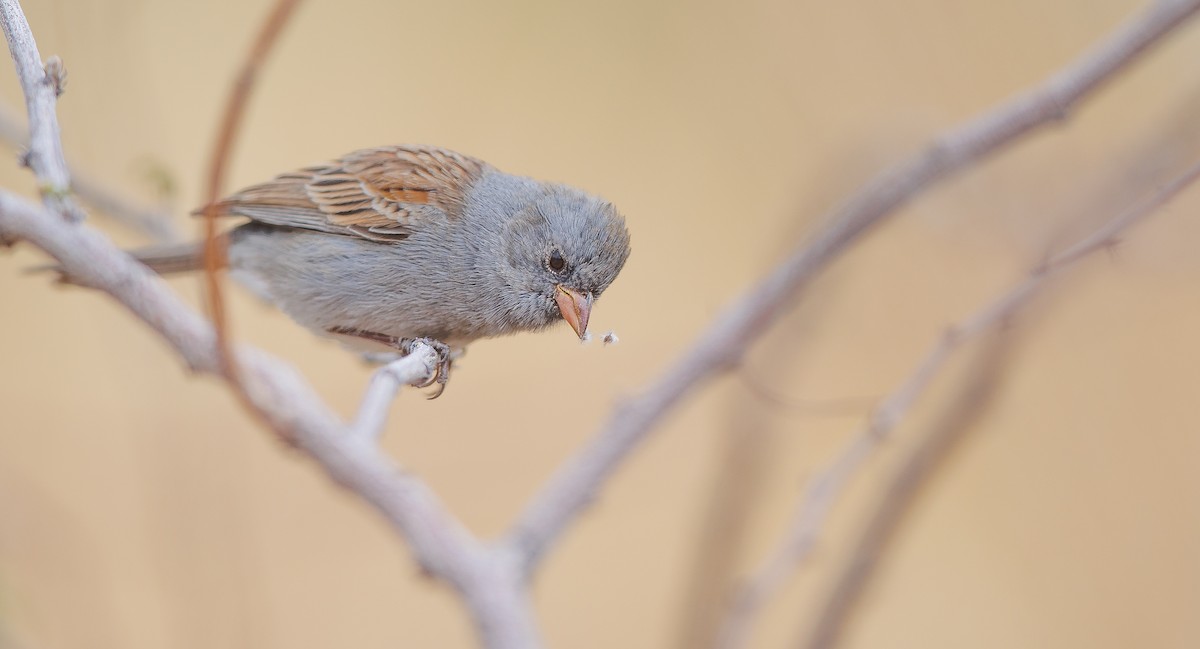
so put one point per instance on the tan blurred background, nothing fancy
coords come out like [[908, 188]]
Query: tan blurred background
[[139, 507]]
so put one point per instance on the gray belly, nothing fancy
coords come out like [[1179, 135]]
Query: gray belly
[[328, 282]]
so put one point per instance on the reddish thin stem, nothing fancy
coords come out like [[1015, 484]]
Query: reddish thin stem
[[214, 246]]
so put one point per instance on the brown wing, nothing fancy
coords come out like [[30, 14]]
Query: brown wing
[[380, 194]]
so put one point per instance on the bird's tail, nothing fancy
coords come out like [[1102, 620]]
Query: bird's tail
[[171, 258], [164, 259]]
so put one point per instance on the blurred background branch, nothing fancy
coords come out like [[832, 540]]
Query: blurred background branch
[[158, 224], [962, 413], [827, 487], [576, 483]]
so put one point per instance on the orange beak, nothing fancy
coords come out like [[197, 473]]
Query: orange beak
[[575, 307]]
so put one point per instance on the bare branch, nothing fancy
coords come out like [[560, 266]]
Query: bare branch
[[569, 490], [417, 366], [828, 486], [45, 155], [900, 492]]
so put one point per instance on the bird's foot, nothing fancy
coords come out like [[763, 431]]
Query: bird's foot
[[445, 355], [441, 372]]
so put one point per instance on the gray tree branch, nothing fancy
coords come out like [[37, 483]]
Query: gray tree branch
[[41, 86], [415, 367]]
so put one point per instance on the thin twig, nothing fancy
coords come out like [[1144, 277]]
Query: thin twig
[[965, 410], [158, 224], [828, 486], [746, 447], [45, 155], [827, 407], [576, 483], [417, 366], [214, 246]]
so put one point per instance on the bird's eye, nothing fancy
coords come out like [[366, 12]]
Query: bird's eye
[[556, 262]]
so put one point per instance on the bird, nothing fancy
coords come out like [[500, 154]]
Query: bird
[[391, 245]]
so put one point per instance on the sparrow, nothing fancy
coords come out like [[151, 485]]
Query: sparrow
[[391, 245]]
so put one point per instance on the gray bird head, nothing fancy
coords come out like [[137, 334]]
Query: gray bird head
[[564, 249]]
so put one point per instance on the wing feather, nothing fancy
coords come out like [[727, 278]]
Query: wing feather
[[383, 194]]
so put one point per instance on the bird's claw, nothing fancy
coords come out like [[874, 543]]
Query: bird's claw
[[441, 370]]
